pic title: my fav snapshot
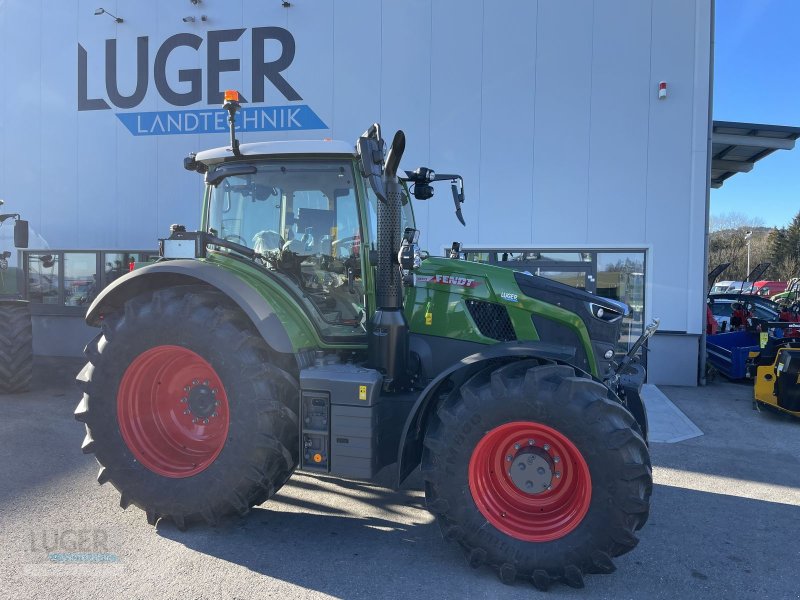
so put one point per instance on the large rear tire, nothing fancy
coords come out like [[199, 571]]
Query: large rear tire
[[16, 346], [185, 409], [535, 472]]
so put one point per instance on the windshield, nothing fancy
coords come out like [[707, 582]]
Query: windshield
[[302, 216]]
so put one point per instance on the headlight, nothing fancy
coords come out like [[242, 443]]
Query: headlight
[[604, 313]]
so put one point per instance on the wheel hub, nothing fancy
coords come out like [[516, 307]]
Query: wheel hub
[[531, 472], [173, 411], [201, 400]]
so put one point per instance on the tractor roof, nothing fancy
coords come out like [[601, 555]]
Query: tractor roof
[[281, 147]]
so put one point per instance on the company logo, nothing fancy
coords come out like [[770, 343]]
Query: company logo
[[251, 118], [448, 280], [509, 297]]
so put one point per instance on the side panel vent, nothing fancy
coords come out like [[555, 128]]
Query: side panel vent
[[492, 320]]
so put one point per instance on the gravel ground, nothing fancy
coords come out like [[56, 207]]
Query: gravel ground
[[724, 521]]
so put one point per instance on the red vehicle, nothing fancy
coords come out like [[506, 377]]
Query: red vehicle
[[769, 288]]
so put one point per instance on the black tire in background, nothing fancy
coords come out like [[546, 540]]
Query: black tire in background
[[259, 451], [552, 397], [16, 346]]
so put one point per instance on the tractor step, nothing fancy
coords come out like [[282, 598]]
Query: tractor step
[[340, 414]]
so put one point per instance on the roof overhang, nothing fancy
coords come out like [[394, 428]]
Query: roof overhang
[[736, 147]]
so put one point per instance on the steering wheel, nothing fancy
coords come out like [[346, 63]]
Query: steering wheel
[[236, 239]]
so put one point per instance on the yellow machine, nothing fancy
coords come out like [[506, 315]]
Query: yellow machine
[[777, 383]]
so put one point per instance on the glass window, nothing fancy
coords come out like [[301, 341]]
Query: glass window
[[302, 216], [43, 274], [80, 278], [620, 276], [576, 279], [116, 264], [69, 278]]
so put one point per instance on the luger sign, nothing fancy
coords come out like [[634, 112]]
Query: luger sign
[[252, 118]]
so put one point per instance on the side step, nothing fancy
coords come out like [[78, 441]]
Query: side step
[[340, 410]]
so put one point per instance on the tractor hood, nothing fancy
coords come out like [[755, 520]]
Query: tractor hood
[[528, 283], [483, 303]]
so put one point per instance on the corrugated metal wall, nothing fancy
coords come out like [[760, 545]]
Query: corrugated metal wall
[[549, 109]]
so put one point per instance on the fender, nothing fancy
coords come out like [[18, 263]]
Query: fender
[[410, 448], [182, 272], [630, 382]]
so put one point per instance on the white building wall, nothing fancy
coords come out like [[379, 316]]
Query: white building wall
[[549, 109]]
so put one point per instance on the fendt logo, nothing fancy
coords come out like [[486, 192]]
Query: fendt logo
[[211, 120]]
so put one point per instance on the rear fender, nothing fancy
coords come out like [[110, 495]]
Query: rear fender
[[187, 272]]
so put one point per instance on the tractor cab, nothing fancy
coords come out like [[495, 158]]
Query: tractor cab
[[310, 217]]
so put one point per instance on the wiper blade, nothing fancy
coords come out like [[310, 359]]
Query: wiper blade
[[214, 176]]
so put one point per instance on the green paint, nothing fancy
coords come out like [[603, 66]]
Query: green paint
[[444, 284], [292, 310]]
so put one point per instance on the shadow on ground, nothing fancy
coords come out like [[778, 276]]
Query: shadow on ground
[[701, 553]]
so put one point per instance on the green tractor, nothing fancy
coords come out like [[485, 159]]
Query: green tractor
[[16, 332], [302, 328]]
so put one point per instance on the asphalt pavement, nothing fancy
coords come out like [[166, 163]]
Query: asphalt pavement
[[724, 521]]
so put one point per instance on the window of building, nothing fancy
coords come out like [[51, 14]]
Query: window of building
[[67, 281]]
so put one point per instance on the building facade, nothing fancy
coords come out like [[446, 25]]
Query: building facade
[[550, 110]]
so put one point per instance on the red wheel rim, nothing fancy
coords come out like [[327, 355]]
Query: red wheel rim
[[173, 411], [525, 508]]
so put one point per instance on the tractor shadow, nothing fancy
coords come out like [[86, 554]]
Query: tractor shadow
[[357, 540], [340, 537]]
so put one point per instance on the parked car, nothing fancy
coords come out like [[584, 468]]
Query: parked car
[[722, 308], [728, 287], [769, 288]]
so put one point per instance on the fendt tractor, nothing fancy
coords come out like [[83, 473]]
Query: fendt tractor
[[302, 328], [16, 332]]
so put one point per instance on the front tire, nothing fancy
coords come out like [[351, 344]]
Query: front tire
[[185, 409], [535, 472]]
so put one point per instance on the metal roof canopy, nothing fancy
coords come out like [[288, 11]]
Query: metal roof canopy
[[736, 147]]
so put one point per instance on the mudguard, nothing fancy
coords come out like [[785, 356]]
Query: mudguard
[[630, 382], [410, 448], [186, 272]]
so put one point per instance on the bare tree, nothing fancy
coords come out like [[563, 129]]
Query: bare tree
[[734, 220]]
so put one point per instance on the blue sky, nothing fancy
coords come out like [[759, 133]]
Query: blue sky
[[757, 80]]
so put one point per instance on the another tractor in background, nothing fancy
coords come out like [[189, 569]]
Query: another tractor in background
[[16, 333]]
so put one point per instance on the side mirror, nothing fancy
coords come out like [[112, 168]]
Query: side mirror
[[21, 233], [370, 147]]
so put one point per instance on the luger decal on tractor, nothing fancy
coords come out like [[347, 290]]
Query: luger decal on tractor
[[302, 328]]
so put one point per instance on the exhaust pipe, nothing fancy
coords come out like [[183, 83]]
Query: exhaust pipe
[[388, 339]]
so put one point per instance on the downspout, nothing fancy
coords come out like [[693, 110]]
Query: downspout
[[702, 378]]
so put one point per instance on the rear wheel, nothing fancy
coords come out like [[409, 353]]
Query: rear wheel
[[16, 346], [535, 472], [185, 409]]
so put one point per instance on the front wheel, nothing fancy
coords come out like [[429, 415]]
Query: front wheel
[[535, 472]]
